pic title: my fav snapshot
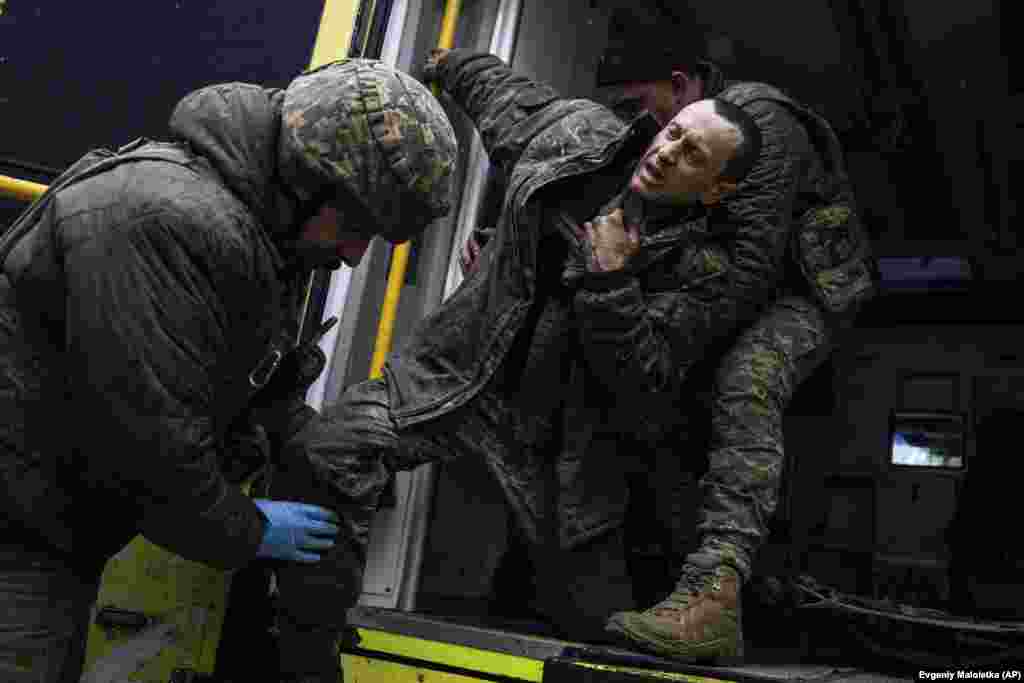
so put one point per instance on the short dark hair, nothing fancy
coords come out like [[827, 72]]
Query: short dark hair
[[749, 149]]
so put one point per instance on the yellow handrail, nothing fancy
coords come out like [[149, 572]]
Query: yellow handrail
[[22, 190], [400, 254]]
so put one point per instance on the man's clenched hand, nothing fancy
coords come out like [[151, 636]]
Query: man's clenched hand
[[609, 242], [469, 255]]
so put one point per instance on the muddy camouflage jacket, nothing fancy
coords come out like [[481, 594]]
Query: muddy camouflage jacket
[[695, 282]]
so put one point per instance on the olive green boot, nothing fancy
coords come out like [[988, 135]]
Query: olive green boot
[[699, 621]]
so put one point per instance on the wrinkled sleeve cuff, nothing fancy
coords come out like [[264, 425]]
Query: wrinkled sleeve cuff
[[226, 537], [452, 63]]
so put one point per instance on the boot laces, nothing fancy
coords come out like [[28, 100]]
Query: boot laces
[[693, 580]]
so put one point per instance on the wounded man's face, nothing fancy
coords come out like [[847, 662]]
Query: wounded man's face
[[683, 164]]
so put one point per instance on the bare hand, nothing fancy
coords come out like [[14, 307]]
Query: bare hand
[[468, 256], [437, 56], [611, 242]]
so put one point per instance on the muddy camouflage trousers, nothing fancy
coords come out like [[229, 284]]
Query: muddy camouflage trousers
[[754, 387], [722, 504]]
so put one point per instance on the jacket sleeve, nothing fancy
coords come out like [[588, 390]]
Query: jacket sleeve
[[642, 345], [147, 352], [508, 109]]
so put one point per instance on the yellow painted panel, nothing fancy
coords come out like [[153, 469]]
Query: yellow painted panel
[[367, 670], [166, 588], [360, 669], [484, 661], [335, 35]]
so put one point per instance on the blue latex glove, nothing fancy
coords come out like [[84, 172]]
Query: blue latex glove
[[296, 531]]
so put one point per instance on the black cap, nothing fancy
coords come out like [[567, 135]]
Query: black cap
[[643, 45], [624, 65]]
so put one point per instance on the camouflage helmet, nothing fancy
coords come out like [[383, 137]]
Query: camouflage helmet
[[374, 136]]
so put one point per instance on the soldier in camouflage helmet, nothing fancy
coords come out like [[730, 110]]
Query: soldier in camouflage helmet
[[162, 328], [386, 146]]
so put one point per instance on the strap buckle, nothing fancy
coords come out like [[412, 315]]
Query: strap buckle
[[265, 369]]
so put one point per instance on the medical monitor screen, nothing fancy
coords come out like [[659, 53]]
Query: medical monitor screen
[[927, 440]]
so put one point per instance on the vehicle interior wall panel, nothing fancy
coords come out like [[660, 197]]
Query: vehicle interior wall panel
[[467, 536], [964, 368], [962, 60], [560, 43]]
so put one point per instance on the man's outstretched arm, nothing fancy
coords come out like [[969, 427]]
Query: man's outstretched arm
[[509, 109]]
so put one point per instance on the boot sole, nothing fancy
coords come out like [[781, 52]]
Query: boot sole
[[665, 648]]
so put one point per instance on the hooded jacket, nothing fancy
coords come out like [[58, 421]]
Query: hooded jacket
[[137, 296]]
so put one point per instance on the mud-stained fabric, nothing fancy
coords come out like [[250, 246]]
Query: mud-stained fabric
[[755, 385]]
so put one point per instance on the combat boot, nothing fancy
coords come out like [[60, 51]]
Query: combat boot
[[699, 621]]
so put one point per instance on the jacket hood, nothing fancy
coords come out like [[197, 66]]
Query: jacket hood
[[236, 127]]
